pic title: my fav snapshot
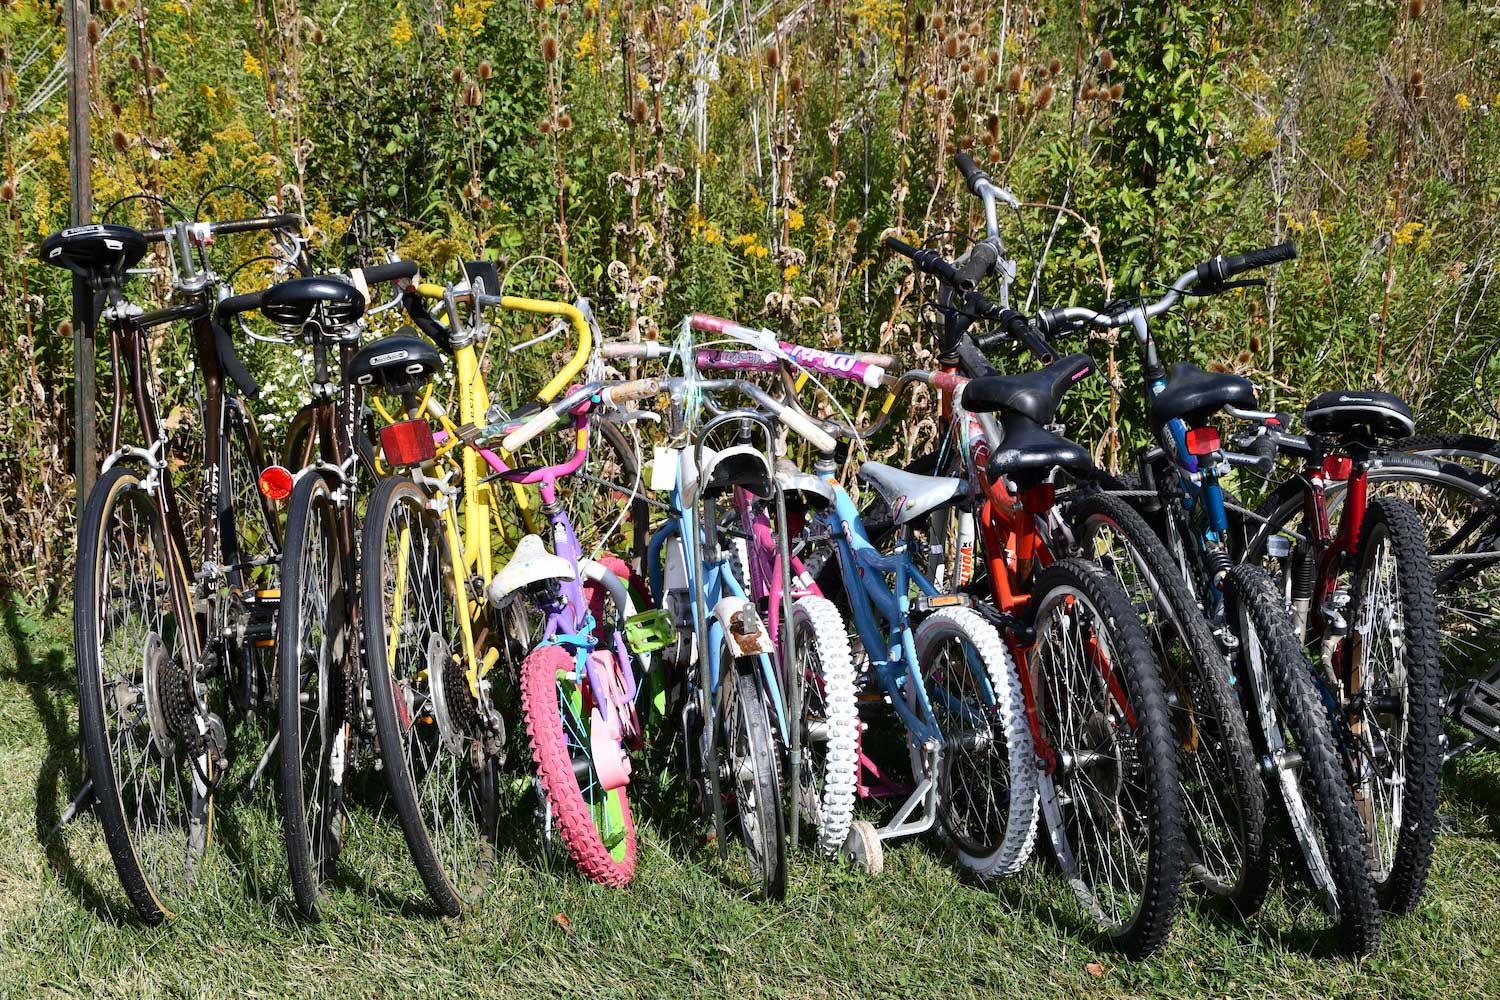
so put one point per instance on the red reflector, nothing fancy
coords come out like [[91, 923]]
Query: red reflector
[[1336, 468], [407, 443], [276, 483], [1202, 441]]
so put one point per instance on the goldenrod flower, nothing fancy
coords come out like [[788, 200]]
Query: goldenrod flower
[[252, 64]]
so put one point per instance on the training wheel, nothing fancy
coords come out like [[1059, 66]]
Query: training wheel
[[862, 847]]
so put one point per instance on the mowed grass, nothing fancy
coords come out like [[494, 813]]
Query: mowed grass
[[685, 927]]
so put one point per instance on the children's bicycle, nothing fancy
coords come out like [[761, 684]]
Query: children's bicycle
[[939, 664], [730, 678]]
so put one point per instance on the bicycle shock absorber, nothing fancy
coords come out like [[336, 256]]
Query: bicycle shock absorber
[[1219, 564]]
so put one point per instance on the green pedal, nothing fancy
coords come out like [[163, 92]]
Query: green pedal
[[649, 631]]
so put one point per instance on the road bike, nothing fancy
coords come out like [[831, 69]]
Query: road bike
[[156, 618]]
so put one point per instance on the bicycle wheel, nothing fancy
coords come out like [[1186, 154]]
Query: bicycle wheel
[[250, 540], [987, 781], [1394, 700], [748, 758], [1111, 795], [1298, 739], [560, 717], [438, 741], [139, 706], [1459, 508], [310, 660], [1229, 854], [830, 721]]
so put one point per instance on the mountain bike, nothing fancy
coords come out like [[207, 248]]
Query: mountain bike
[[154, 618], [1364, 599], [1228, 851], [1180, 487], [320, 688]]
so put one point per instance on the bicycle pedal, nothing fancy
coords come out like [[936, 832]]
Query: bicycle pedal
[[649, 631], [932, 602]]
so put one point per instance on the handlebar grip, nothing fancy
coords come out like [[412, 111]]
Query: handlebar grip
[[236, 304], [805, 428], [926, 261], [1050, 321], [973, 175], [283, 221], [886, 361], [539, 424], [396, 270], [643, 349], [625, 392], [977, 266], [1221, 268]]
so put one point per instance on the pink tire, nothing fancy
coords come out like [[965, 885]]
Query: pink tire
[[595, 825]]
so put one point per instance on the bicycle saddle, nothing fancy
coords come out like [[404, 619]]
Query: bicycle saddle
[[1373, 414], [99, 254], [1033, 394], [1193, 394], [400, 363], [909, 494], [292, 303], [742, 465], [802, 490], [1028, 452]]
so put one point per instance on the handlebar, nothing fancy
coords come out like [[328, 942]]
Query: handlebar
[[204, 231], [930, 262], [396, 270], [1207, 278], [236, 304]]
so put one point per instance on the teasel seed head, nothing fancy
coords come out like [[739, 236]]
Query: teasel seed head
[[1054, 67], [486, 70], [1044, 97], [1116, 92], [549, 48], [121, 143], [1013, 81], [1106, 60]]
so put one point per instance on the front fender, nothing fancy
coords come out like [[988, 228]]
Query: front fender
[[743, 627]]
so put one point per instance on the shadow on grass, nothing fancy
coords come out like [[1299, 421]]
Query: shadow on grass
[[50, 685]]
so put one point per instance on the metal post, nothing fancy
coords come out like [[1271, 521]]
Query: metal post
[[80, 212]]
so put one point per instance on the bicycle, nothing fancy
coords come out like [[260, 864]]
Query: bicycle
[[963, 708], [1180, 480], [444, 518], [1227, 845], [730, 681], [320, 687], [150, 629], [1364, 599]]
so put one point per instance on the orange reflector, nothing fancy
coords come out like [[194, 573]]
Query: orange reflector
[[407, 443], [276, 483], [1202, 441]]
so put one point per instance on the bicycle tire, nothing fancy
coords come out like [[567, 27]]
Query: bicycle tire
[[313, 640], [452, 851], [1007, 834], [160, 688], [748, 746], [1222, 786], [1291, 714], [830, 719], [1155, 806], [600, 835], [1401, 866]]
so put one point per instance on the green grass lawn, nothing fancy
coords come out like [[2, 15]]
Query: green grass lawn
[[685, 926]]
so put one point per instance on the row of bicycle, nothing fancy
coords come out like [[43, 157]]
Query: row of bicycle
[[1160, 681]]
